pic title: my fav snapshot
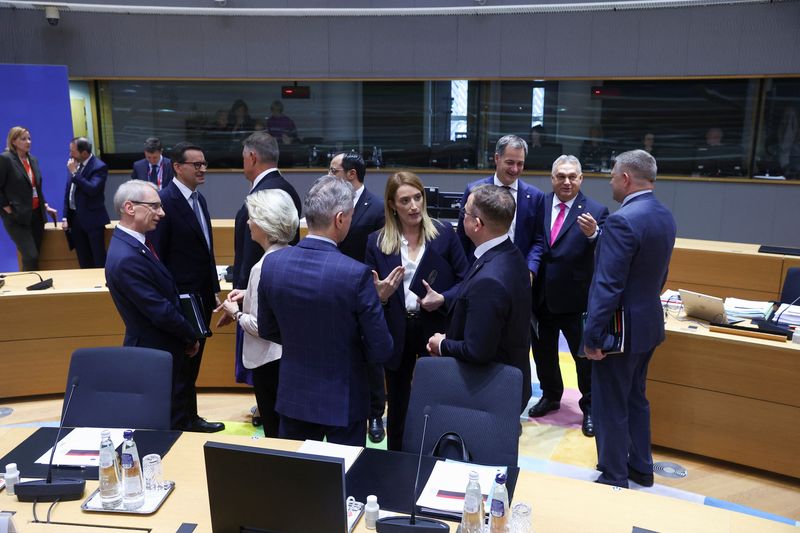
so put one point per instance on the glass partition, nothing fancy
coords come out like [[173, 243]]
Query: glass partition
[[698, 127]]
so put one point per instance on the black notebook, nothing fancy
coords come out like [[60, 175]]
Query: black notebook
[[193, 312], [434, 269], [614, 335]]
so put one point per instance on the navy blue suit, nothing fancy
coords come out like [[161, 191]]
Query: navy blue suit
[[88, 220], [490, 318], [182, 248], [631, 263], [323, 308], [141, 171], [410, 336], [528, 229], [246, 252], [368, 216], [560, 292], [147, 300]]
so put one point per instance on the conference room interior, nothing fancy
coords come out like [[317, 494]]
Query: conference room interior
[[442, 123]]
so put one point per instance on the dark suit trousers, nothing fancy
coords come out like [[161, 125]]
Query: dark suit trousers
[[398, 383], [28, 239], [377, 390], [545, 354], [265, 387], [621, 415], [353, 435], [90, 245]]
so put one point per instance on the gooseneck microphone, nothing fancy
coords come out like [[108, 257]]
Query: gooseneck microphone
[[778, 318], [50, 490], [41, 285], [404, 524]]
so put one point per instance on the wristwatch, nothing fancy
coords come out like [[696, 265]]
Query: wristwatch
[[237, 316]]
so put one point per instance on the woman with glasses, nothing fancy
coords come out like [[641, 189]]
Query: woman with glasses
[[273, 222], [411, 243], [22, 204]]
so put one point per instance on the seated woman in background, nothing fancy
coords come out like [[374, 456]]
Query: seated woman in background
[[273, 222], [22, 204], [395, 253]]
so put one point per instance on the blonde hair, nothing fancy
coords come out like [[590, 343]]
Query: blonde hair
[[13, 134], [273, 211], [390, 236]]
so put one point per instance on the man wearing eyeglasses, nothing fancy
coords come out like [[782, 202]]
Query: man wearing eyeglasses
[[490, 320], [142, 288], [184, 242], [367, 217], [561, 288]]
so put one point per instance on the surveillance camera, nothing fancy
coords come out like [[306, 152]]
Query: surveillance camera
[[221, 3], [52, 15]]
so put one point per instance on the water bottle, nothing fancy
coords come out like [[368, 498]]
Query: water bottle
[[498, 515], [472, 517], [11, 478], [371, 511], [109, 474], [132, 481]]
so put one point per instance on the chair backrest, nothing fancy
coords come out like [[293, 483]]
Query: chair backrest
[[120, 387], [791, 285], [479, 402]]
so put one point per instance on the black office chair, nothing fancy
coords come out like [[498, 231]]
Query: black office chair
[[791, 286], [120, 387], [478, 402]]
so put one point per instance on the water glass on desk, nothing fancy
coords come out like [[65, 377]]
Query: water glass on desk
[[521, 518], [153, 472]]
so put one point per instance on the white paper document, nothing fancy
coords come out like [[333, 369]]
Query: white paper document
[[445, 488], [327, 449], [80, 447], [736, 307]]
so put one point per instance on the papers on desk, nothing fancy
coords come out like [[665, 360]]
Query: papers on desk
[[788, 315], [444, 491], [80, 447], [738, 308], [327, 449]]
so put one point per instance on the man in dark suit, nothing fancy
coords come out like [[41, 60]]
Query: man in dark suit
[[141, 286], [323, 308], [154, 168], [367, 217], [490, 319], [560, 290], [85, 204], [526, 229], [184, 242], [260, 162], [631, 263]]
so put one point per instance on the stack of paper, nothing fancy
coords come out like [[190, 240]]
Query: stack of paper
[[328, 449], [738, 308], [788, 315]]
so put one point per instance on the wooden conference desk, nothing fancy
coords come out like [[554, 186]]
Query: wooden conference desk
[[554, 500], [41, 329], [726, 396]]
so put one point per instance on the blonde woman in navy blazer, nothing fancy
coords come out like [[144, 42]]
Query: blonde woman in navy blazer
[[22, 204], [394, 253]]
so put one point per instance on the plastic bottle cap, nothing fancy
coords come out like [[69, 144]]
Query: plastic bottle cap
[[128, 434], [501, 478], [11, 469], [372, 499]]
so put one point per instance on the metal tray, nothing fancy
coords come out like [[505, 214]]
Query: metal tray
[[152, 502]]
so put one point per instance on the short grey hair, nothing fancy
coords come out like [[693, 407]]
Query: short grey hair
[[131, 190], [329, 195], [263, 145], [273, 211], [495, 206], [566, 160], [512, 141], [638, 164]]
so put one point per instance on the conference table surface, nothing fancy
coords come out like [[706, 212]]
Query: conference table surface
[[554, 500]]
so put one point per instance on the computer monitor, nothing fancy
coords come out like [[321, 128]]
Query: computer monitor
[[270, 491]]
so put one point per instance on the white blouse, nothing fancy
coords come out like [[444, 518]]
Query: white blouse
[[255, 350]]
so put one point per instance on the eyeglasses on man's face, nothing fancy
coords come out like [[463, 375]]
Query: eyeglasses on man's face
[[198, 165], [155, 206]]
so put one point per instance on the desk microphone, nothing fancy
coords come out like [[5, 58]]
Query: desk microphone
[[41, 285], [405, 524], [773, 324], [50, 490]]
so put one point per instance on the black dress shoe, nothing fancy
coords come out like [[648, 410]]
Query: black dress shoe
[[376, 432], [542, 407], [201, 425], [640, 478], [588, 425]]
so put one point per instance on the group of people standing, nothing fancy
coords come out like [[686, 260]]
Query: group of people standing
[[324, 324]]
